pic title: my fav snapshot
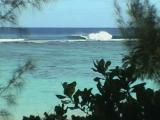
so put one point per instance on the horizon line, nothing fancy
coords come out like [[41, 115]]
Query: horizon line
[[60, 27]]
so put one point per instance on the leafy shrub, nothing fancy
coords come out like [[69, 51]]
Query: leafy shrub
[[117, 98]]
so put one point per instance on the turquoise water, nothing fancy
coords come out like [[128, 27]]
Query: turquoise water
[[56, 63]]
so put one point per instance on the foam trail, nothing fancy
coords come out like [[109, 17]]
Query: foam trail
[[52, 41], [39, 41]]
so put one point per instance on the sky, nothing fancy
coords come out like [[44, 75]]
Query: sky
[[71, 13]]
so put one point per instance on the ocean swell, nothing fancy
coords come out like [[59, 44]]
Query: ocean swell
[[99, 36]]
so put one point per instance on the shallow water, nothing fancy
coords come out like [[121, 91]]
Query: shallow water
[[55, 62]]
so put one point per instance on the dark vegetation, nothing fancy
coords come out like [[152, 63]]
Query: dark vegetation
[[144, 21], [117, 98]]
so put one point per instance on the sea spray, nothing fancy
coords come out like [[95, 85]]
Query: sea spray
[[102, 35]]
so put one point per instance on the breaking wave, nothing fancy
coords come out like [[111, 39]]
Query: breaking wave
[[102, 35], [52, 41], [99, 36]]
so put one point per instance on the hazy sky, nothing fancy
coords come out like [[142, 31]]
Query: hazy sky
[[71, 13]]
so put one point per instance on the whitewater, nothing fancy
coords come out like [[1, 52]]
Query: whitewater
[[99, 36]]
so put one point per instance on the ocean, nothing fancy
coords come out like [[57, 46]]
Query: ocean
[[60, 55]]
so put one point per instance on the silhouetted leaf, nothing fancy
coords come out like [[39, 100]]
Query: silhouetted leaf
[[138, 86], [69, 89], [96, 79], [65, 101], [60, 96]]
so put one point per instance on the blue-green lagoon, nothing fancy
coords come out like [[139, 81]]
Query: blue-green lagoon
[[56, 61]]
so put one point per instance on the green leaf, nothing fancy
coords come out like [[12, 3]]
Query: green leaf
[[96, 79], [69, 89], [108, 63], [60, 96], [139, 86], [65, 101], [72, 108]]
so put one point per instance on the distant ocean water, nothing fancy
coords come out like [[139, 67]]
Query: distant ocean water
[[64, 60], [53, 33]]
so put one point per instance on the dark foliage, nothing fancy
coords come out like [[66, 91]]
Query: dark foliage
[[117, 98], [60, 114], [144, 25]]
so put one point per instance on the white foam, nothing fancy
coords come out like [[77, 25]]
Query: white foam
[[102, 35], [118, 40], [80, 40], [11, 40], [49, 41], [38, 41]]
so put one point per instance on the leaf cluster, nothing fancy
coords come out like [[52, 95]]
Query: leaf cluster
[[118, 97], [142, 26], [59, 114]]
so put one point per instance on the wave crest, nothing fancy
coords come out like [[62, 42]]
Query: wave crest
[[102, 35]]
